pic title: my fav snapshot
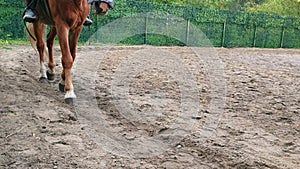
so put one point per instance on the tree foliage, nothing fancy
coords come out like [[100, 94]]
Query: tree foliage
[[279, 7], [215, 4]]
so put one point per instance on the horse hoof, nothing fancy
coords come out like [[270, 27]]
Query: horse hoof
[[43, 80], [70, 101], [61, 87], [50, 76]]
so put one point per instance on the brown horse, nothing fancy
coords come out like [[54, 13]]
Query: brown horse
[[65, 18]]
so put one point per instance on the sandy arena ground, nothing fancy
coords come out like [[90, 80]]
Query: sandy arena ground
[[256, 123]]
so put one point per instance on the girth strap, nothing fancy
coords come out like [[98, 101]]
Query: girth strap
[[44, 5]]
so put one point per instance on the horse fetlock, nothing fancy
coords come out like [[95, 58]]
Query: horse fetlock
[[70, 94], [43, 70], [51, 67]]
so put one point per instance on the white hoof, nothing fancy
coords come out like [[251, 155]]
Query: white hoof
[[70, 97]]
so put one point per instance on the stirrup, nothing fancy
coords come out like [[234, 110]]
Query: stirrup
[[30, 16], [88, 22]]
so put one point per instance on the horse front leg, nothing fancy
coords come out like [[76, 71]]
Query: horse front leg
[[67, 63], [74, 37], [51, 64], [39, 30]]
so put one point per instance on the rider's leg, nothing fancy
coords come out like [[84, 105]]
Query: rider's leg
[[30, 15]]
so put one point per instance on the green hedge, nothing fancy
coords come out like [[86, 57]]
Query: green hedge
[[11, 24], [242, 29]]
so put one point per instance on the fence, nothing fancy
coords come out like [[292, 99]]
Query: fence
[[222, 27]]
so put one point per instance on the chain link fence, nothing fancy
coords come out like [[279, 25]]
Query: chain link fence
[[222, 27]]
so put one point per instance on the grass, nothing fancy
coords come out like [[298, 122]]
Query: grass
[[5, 44]]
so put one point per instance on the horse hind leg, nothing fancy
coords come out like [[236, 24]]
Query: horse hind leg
[[35, 34], [51, 64], [39, 31]]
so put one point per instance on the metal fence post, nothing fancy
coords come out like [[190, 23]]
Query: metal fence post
[[265, 37], [223, 34], [187, 32], [254, 36], [282, 37], [146, 29]]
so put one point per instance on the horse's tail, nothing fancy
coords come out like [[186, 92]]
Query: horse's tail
[[32, 37], [31, 34]]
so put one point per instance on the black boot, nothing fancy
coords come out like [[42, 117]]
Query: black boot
[[88, 22], [29, 15]]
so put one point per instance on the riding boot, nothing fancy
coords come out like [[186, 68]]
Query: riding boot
[[88, 22], [30, 15]]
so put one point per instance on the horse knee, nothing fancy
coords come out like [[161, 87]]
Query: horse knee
[[67, 64]]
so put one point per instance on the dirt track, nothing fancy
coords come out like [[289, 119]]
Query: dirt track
[[259, 126]]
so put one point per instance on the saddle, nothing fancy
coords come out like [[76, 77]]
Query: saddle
[[43, 9]]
